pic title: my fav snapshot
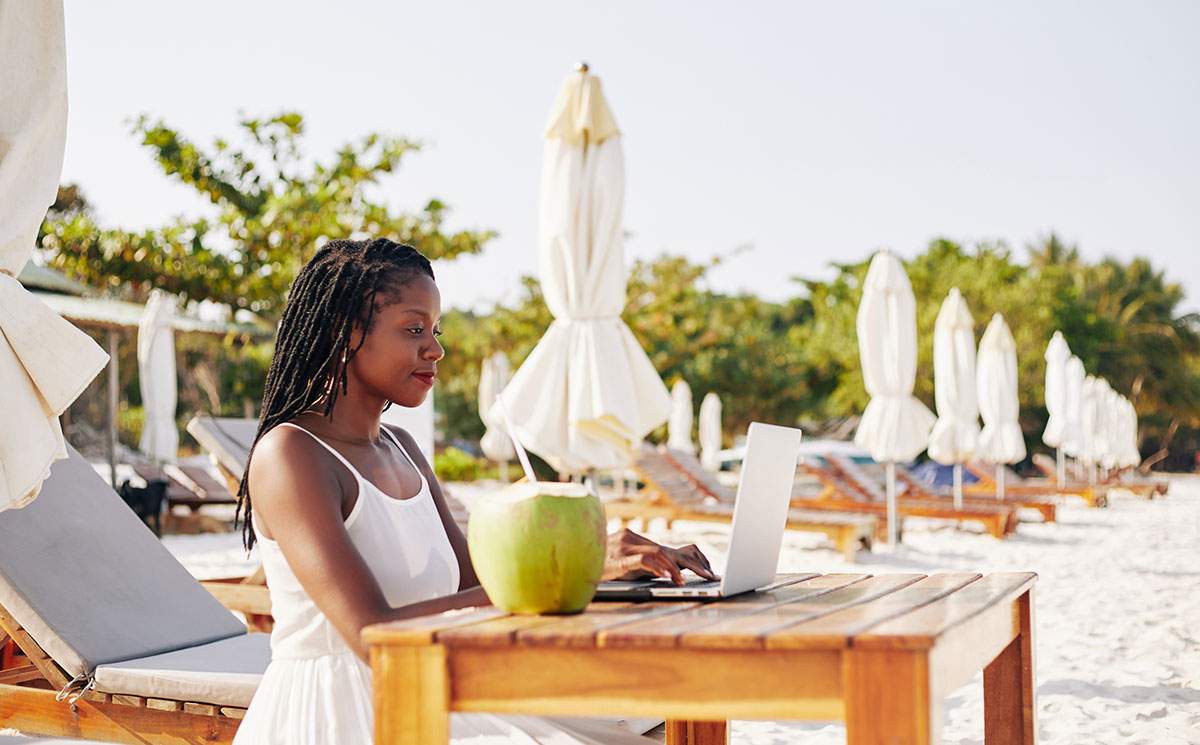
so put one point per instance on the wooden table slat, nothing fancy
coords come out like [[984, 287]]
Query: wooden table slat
[[666, 631], [835, 630], [582, 630], [421, 630], [503, 630], [746, 631], [921, 628]]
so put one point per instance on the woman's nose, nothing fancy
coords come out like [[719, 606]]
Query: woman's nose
[[434, 352]]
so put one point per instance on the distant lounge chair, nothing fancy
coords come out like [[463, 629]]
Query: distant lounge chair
[[914, 487], [1141, 485], [106, 617], [1015, 484], [673, 492], [848, 487]]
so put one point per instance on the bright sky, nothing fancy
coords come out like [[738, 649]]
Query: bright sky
[[813, 131]]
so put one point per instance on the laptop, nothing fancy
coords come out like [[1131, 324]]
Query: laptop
[[759, 519]]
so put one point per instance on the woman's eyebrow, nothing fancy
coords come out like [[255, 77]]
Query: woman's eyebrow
[[417, 312]]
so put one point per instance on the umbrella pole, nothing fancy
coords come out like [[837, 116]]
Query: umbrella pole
[[1061, 471], [958, 486], [113, 393], [891, 504], [999, 481]]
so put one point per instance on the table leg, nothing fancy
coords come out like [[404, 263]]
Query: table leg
[[889, 700], [683, 732], [412, 695], [1009, 711]]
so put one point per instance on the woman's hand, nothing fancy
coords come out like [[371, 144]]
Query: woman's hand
[[631, 556]]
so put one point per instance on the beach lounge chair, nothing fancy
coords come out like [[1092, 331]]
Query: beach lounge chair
[[673, 493], [915, 487], [1015, 484], [1130, 480], [848, 485], [108, 620]]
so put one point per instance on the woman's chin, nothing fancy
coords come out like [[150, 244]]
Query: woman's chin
[[410, 398]]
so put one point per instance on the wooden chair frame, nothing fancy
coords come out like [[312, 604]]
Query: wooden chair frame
[[28, 703]]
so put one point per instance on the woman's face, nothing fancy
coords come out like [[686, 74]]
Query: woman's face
[[398, 359]]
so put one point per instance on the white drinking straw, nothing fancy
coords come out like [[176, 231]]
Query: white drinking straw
[[512, 433]]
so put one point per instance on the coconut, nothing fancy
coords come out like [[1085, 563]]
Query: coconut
[[539, 547]]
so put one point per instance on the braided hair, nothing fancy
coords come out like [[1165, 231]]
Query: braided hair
[[341, 287]]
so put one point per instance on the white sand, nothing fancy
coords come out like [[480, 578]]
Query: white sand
[[1117, 611]]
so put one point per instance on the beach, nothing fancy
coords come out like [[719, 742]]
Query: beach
[[1117, 612]]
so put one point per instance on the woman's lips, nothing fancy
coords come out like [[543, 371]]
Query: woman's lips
[[426, 377]]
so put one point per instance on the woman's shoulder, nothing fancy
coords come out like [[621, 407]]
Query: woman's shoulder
[[289, 456], [409, 443]]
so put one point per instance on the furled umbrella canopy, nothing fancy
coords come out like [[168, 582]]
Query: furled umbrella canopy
[[710, 431], [1133, 454], [679, 425], [956, 432], [45, 362], [587, 394], [1057, 356], [156, 377], [1072, 436], [1000, 440], [1089, 448], [895, 426], [495, 443]]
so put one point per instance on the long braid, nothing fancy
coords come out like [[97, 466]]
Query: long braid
[[335, 292]]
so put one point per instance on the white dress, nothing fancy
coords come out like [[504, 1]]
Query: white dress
[[316, 691]]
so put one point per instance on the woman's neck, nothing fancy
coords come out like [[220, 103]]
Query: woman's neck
[[355, 418]]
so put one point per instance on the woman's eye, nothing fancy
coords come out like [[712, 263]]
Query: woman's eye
[[417, 330]]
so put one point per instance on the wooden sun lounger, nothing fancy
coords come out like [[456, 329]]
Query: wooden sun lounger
[[846, 489], [1094, 496], [149, 631], [1146, 487], [1047, 508], [671, 494]]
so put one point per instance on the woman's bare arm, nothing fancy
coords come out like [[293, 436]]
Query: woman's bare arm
[[297, 501]]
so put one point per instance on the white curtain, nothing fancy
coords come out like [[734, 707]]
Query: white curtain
[[1000, 440], [956, 432], [587, 394], [45, 362], [156, 377]]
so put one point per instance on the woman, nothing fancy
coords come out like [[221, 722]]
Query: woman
[[352, 525]]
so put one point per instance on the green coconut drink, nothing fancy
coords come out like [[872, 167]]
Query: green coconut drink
[[539, 547]]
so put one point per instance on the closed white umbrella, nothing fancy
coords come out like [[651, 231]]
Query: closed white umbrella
[[156, 377], [1072, 437], [1133, 457], [1057, 356], [956, 432], [679, 425], [587, 394], [1102, 413], [1110, 427], [895, 426], [1000, 440], [1089, 448], [495, 443], [45, 362], [710, 431]]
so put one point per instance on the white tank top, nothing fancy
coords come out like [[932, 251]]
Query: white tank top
[[404, 543]]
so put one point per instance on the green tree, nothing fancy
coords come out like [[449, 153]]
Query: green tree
[[271, 208]]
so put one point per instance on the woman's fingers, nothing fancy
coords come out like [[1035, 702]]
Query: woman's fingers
[[691, 558]]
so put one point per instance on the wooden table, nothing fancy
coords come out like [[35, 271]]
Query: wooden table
[[879, 652]]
